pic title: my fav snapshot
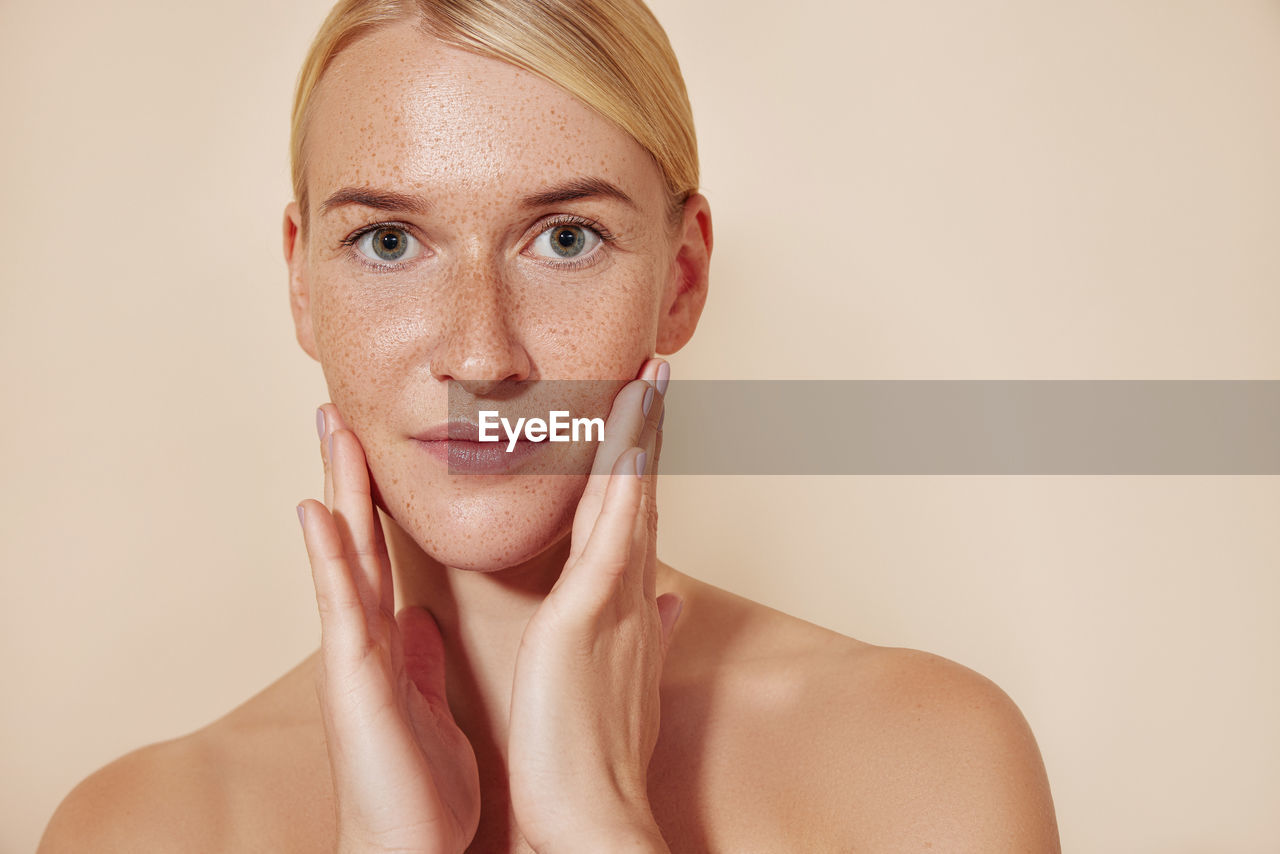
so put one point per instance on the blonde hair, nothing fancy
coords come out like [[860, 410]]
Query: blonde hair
[[613, 55]]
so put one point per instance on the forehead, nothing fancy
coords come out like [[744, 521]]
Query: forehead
[[399, 110]]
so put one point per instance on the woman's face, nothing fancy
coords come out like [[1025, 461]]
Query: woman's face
[[469, 221]]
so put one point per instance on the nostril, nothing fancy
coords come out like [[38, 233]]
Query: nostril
[[480, 369]]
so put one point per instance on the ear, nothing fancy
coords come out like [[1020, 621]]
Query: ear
[[686, 291], [295, 252]]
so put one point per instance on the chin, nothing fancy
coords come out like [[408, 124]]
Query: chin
[[486, 524]]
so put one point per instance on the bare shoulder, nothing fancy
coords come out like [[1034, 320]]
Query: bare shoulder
[[163, 797], [255, 779], [940, 754], [870, 747]]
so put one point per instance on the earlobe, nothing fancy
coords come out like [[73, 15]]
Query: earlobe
[[688, 281], [299, 292]]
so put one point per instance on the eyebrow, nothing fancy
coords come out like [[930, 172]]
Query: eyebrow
[[571, 190], [576, 188], [377, 199]]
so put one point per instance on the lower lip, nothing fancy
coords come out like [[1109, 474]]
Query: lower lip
[[463, 457]]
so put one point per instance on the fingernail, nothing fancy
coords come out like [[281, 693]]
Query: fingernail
[[664, 374], [302, 517], [320, 423], [648, 399], [640, 464]]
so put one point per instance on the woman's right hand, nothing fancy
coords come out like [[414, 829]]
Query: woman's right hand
[[404, 774]]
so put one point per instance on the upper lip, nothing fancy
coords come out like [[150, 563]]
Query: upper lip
[[458, 431]]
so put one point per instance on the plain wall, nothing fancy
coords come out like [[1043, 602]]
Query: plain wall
[[907, 190]]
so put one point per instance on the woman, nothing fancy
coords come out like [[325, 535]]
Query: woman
[[488, 197]]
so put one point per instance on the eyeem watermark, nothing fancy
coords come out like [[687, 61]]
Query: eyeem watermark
[[559, 427]]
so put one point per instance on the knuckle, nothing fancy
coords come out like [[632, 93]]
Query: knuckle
[[330, 604], [324, 602], [614, 568]]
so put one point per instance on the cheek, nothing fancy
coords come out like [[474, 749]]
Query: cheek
[[364, 338], [590, 328], [595, 332]]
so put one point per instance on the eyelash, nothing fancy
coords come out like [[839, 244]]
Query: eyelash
[[573, 219], [354, 237], [563, 219]]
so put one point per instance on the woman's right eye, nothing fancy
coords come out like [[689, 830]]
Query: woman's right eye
[[387, 245]]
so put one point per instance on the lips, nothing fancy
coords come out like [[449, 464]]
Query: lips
[[461, 431], [456, 444]]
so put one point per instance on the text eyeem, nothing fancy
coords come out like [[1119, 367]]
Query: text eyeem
[[559, 427]]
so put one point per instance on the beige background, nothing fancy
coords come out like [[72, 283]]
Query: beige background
[[908, 190]]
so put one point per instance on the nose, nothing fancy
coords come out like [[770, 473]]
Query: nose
[[476, 347]]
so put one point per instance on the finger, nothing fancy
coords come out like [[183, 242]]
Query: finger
[[361, 530], [635, 422], [645, 533], [593, 577], [333, 418], [328, 422], [652, 412], [615, 443], [624, 429], [358, 522], [651, 568], [644, 529], [424, 654], [621, 433], [344, 636], [385, 589], [651, 492], [324, 425], [657, 445], [639, 577]]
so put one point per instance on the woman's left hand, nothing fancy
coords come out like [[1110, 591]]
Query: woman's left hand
[[585, 702]]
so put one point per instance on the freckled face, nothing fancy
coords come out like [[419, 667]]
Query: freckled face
[[435, 260]]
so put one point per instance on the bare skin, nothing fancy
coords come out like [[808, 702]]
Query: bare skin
[[776, 735]]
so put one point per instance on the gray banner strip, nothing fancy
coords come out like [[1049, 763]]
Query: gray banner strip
[[926, 426], [972, 427]]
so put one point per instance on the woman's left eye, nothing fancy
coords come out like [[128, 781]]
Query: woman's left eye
[[388, 245], [566, 241]]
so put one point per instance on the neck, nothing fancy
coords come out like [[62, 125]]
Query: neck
[[482, 616]]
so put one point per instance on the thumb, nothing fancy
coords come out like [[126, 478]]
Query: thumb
[[669, 607], [423, 653]]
